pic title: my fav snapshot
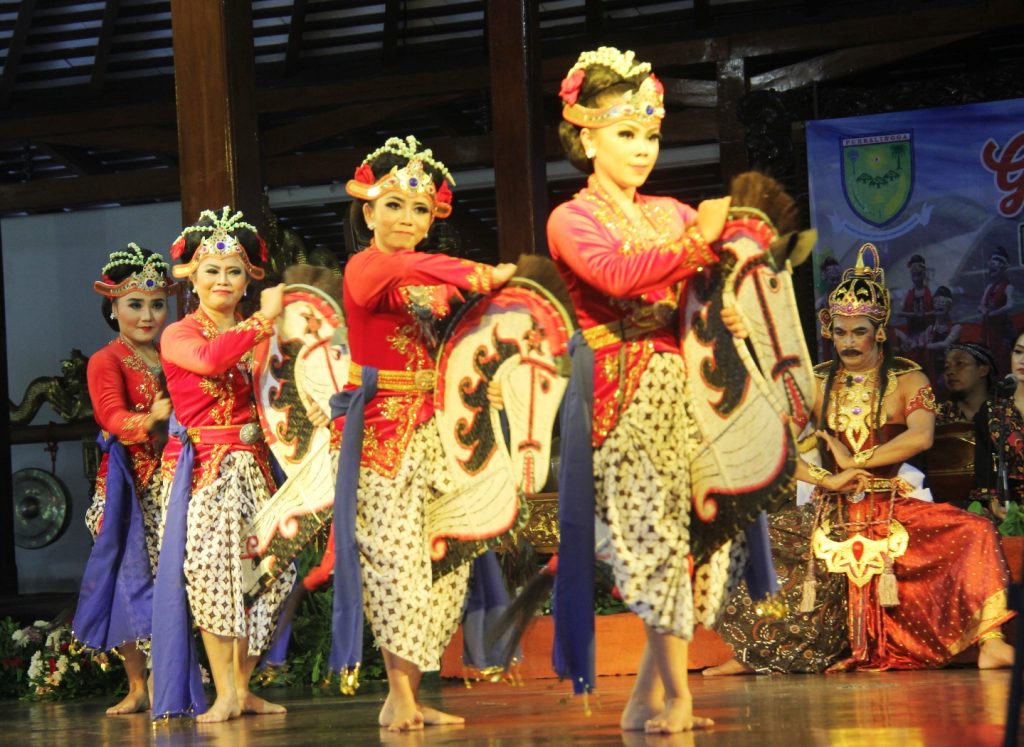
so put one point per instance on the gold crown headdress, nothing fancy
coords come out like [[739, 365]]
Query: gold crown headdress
[[412, 178], [219, 243], [645, 105], [861, 292], [150, 277]]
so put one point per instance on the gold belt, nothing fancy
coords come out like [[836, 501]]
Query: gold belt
[[422, 380], [623, 330]]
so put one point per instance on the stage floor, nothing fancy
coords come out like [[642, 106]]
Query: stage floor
[[909, 709]]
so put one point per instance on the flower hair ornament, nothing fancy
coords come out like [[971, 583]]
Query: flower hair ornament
[[861, 292], [219, 243], [412, 178], [645, 105], [149, 275]]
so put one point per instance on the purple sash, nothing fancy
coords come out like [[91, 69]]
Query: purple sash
[[115, 600]]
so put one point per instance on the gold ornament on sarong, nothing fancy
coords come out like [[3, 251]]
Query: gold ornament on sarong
[[858, 557]]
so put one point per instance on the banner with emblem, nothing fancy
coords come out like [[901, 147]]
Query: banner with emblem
[[940, 192]]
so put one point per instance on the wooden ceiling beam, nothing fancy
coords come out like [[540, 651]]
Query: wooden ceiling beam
[[288, 137], [846, 62], [296, 27], [77, 160], [15, 48], [131, 139], [106, 36]]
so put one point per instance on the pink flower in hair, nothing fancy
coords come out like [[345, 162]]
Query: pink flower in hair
[[570, 90], [364, 174], [444, 195]]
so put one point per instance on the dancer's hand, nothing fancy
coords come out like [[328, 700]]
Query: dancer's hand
[[711, 217], [494, 395], [852, 480], [844, 460], [159, 411], [733, 320], [316, 414], [272, 301], [501, 274]]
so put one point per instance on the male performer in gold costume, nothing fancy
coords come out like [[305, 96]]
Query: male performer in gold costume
[[924, 580]]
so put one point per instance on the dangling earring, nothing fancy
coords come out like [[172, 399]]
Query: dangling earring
[[880, 335], [590, 153], [113, 315]]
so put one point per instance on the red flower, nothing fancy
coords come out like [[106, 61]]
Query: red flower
[[64, 647], [570, 90], [52, 663], [178, 247], [365, 175], [444, 195], [263, 250]]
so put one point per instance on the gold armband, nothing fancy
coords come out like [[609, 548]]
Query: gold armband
[[818, 473], [861, 457]]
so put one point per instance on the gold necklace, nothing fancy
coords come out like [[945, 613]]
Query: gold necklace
[[853, 405], [138, 351]]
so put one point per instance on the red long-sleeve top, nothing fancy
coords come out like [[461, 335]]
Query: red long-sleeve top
[[122, 390], [380, 288], [617, 273], [209, 379]]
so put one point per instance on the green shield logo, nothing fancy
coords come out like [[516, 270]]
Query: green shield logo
[[878, 175]]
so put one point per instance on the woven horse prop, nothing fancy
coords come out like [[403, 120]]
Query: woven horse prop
[[739, 389], [745, 393], [518, 336]]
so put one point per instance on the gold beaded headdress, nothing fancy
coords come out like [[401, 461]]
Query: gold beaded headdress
[[150, 277], [412, 178], [861, 292], [645, 105], [219, 243]]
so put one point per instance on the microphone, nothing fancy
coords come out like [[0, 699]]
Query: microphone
[[1007, 384]]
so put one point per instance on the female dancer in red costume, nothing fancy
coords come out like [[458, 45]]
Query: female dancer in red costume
[[207, 359], [393, 297], [622, 255], [130, 405]]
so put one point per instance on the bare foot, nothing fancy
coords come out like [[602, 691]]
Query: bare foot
[[733, 666], [676, 716], [222, 709], [136, 701], [434, 717], [405, 718], [250, 703], [638, 712], [995, 653]]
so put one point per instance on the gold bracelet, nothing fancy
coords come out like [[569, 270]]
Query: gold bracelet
[[818, 473], [997, 633], [861, 457]]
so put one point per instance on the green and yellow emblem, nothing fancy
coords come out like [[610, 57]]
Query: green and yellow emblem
[[878, 175]]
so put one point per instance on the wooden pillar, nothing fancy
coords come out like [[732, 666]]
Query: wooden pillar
[[518, 128], [218, 137], [732, 136]]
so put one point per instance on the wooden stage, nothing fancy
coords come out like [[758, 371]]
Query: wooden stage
[[954, 707]]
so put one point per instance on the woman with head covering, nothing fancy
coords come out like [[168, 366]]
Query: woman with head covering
[[216, 468], [131, 406], [394, 295], [623, 255]]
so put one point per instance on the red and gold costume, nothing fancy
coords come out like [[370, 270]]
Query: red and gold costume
[[625, 284], [383, 333], [948, 565], [122, 388], [624, 280], [412, 614], [209, 380]]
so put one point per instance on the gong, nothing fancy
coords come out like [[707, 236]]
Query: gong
[[41, 508]]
